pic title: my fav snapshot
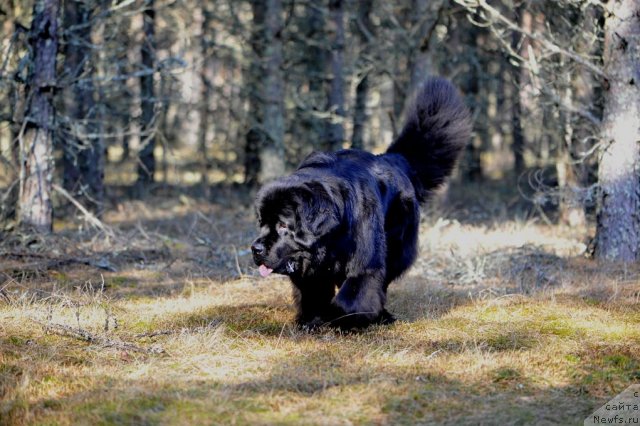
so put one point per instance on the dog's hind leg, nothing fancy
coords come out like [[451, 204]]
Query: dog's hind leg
[[401, 230]]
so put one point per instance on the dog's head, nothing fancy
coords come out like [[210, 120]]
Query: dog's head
[[293, 217]]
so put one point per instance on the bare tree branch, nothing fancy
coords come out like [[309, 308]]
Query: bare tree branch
[[496, 15]]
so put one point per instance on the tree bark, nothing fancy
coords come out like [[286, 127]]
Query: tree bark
[[618, 227], [366, 31], [264, 148], [272, 162], [335, 98], [420, 58], [255, 136], [146, 159], [14, 110], [470, 85], [415, 64], [36, 171], [83, 149], [521, 45], [206, 93], [315, 60], [570, 209]]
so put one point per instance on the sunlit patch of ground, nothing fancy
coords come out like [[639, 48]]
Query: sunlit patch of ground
[[502, 322]]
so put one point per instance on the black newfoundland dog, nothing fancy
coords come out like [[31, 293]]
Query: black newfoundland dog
[[349, 220]]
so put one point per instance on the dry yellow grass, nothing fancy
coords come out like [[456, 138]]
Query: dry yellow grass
[[499, 323]]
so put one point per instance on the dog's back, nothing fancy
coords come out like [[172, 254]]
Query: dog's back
[[437, 128]]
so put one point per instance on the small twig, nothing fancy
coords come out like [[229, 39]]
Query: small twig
[[238, 269], [154, 334], [214, 323], [277, 345], [84, 335], [347, 315], [90, 217], [433, 354], [3, 294]]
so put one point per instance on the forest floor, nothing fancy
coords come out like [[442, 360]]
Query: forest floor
[[161, 318]]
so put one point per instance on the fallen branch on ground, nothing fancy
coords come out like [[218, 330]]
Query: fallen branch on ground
[[84, 335], [89, 217], [154, 334], [213, 324], [53, 262]]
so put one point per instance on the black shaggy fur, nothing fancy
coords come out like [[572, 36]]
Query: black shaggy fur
[[349, 220]]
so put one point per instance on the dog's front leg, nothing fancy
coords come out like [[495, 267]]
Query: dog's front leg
[[313, 303], [360, 300]]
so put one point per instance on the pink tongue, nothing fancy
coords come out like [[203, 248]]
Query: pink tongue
[[264, 271]]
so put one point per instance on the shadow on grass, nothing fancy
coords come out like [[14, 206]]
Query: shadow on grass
[[383, 375], [263, 319], [325, 387]]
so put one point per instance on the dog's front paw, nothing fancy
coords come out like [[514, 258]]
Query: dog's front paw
[[312, 325]]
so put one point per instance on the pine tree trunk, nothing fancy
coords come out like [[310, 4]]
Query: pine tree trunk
[[420, 58], [471, 164], [362, 89], [518, 143], [618, 227], [335, 98], [360, 113], [83, 151], [254, 139], [415, 66], [521, 45], [401, 72], [36, 171], [9, 199], [264, 147], [570, 209], [74, 61], [205, 94], [315, 60], [272, 163], [147, 162]]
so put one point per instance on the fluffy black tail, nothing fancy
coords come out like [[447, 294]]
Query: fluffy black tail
[[438, 127]]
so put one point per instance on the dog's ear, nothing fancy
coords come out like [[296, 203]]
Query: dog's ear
[[272, 200], [319, 213]]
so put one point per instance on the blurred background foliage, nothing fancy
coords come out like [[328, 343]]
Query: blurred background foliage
[[153, 94]]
